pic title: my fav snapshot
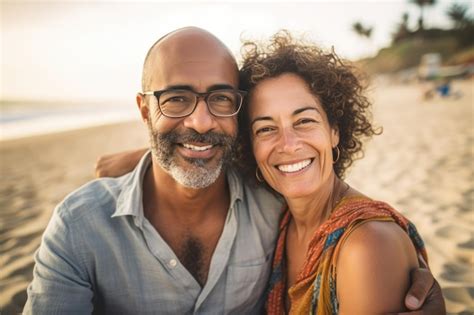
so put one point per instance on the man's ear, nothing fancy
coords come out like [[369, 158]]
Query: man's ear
[[143, 107]]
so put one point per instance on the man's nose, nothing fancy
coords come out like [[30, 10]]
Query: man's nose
[[201, 120], [289, 141]]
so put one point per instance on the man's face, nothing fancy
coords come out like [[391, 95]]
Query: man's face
[[192, 149]]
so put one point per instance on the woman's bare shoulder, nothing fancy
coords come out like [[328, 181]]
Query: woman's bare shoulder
[[373, 268]]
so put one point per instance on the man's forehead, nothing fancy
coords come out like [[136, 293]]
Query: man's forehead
[[191, 56], [200, 75], [191, 45]]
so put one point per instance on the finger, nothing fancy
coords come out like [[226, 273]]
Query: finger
[[421, 282], [433, 305]]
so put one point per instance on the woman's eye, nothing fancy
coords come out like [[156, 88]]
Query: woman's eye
[[264, 130], [304, 121]]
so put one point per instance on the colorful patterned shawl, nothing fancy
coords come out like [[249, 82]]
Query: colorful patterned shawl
[[315, 291]]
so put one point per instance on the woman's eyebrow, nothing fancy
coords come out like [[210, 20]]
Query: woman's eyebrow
[[260, 118], [300, 110], [296, 112]]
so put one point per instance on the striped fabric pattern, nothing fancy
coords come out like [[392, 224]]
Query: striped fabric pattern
[[315, 289]]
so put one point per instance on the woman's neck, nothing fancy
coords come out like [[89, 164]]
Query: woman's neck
[[310, 212]]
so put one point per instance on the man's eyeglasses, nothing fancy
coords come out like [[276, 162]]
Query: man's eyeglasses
[[177, 103]]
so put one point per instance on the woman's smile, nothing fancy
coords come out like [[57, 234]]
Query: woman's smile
[[294, 167]]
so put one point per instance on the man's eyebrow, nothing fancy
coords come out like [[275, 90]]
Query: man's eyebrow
[[190, 88], [300, 110], [220, 87], [179, 87]]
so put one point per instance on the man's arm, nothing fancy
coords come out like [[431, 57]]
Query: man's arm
[[60, 284], [118, 164]]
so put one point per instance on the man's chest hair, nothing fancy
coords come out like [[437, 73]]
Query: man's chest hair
[[195, 257]]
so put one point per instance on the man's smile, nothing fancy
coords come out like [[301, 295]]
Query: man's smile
[[198, 150], [197, 147]]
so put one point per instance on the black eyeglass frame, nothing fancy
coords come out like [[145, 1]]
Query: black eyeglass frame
[[204, 96]]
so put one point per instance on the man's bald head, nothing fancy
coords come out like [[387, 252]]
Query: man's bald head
[[189, 44]]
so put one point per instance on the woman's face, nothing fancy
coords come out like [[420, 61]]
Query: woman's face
[[291, 137]]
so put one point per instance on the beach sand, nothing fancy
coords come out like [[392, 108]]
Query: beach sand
[[422, 164]]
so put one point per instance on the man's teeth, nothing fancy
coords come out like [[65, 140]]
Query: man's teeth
[[291, 168], [197, 148]]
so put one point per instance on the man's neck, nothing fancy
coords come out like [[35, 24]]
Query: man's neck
[[190, 221], [190, 206]]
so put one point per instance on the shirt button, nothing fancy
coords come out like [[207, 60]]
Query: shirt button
[[173, 263]]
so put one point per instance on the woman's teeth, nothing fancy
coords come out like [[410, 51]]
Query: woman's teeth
[[291, 168], [197, 148]]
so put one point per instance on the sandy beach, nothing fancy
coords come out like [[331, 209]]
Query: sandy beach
[[422, 164]]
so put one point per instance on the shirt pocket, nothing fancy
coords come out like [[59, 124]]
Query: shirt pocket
[[245, 287]]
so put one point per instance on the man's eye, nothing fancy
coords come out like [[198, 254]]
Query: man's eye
[[221, 98], [177, 99]]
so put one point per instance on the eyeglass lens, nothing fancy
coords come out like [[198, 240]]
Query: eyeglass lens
[[177, 103]]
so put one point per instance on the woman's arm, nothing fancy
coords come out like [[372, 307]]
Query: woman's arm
[[373, 269], [118, 164]]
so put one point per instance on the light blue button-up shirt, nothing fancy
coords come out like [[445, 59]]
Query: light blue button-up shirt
[[99, 253]]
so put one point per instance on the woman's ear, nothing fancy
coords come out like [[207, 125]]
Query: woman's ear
[[334, 136]]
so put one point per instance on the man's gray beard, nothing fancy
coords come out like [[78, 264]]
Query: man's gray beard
[[198, 173]]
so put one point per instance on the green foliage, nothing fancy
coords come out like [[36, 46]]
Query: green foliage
[[463, 24], [456, 45], [458, 14], [407, 53], [402, 31]]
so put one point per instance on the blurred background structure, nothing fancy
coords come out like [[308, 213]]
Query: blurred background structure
[[70, 71]]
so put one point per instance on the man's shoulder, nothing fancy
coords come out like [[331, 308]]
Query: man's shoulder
[[253, 192], [97, 198], [259, 200], [261, 195]]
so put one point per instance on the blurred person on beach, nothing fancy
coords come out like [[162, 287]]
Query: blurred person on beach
[[181, 233], [443, 89]]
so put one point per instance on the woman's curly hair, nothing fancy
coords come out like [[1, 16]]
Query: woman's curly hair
[[337, 85]]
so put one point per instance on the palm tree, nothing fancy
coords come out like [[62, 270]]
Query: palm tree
[[361, 30], [402, 30], [458, 14], [422, 4], [463, 23]]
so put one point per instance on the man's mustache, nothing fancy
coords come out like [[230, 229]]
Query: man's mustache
[[210, 137]]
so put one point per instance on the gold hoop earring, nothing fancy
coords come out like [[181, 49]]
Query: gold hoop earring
[[258, 176], [338, 154]]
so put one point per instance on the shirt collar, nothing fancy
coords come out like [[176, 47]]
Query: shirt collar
[[235, 183], [130, 201]]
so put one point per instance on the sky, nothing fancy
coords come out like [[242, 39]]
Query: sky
[[94, 50]]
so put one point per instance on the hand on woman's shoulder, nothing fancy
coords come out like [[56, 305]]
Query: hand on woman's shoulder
[[373, 269]]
